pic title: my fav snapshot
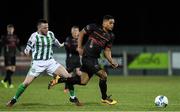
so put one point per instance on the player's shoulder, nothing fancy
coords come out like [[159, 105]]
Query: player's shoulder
[[34, 34], [51, 34], [92, 25]]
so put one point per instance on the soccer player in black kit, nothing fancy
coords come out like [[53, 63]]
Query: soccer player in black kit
[[10, 42], [99, 38], [72, 61], [72, 56]]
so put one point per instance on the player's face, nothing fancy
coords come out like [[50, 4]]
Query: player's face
[[75, 32], [109, 24], [10, 30], [43, 28]]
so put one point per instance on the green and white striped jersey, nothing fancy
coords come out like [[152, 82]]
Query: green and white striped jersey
[[41, 46]]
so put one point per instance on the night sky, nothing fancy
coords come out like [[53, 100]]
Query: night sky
[[147, 25]]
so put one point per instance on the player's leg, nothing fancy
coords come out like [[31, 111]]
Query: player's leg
[[84, 73], [87, 70], [73, 71], [80, 80], [73, 97], [9, 66], [69, 68], [59, 71], [7, 76], [34, 72], [71, 65], [103, 87], [71, 88], [21, 89], [13, 68]]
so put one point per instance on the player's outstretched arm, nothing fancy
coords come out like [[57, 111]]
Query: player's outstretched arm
[[107, 53], [58, 44]]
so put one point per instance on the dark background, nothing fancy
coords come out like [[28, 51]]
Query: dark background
[[136, 24]]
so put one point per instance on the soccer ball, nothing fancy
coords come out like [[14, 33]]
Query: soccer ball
[[161, 101]]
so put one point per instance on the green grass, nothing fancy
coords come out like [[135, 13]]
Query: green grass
[[133, 93]]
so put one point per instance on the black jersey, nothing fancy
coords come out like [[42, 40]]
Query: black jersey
[[10, 43], [97, 41], [71, 46]]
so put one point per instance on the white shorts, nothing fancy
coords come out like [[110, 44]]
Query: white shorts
[[39, 66]]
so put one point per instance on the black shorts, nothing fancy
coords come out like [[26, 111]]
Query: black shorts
[[90, 65], [10, 60], [72, 63]]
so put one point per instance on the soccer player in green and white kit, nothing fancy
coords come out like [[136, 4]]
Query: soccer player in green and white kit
[[40, 47]]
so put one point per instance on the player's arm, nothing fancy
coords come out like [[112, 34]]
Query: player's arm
[[58, 44], [108, 56], [30, 44], [56, 41], [80, 40]]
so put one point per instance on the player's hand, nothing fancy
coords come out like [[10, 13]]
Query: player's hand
[[61, 44], [26, 52], [114, 64], [80, 50]]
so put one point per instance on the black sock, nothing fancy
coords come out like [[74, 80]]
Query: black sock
[[103, 88], [8, 76], [73, 80]]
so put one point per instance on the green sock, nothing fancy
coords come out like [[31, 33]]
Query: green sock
[[71, 90], [72, 93], [20, 90]]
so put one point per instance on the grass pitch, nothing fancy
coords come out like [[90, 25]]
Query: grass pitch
[[133, 93]]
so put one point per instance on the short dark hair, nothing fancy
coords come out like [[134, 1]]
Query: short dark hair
[[40, 21], [74, 26], [10, 26], [107, 17]]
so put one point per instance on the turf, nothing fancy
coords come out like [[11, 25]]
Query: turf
[[133, 93]]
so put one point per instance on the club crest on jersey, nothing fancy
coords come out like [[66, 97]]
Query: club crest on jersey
[[33, 70]]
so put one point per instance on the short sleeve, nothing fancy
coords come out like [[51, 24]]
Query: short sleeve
[[89, 28], [109, 44]]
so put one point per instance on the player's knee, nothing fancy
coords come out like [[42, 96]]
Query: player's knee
[[103, 78], [102, 74], [84, 79], [26, 84]]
